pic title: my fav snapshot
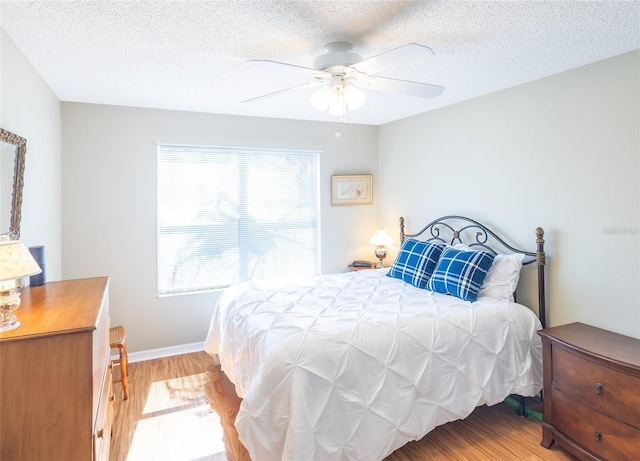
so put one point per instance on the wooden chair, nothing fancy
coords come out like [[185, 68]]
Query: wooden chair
[[117, 340]]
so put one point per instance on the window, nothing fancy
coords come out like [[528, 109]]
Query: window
[[232, 215]]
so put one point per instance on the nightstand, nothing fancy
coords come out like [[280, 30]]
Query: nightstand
[[591, 392]]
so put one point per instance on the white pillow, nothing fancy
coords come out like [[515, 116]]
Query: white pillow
[[502, 278]]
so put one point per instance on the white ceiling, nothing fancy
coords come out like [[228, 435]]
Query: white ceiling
[[192, 55]]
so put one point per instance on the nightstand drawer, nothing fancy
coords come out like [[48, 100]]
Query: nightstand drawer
[[612, 391], [596, 432]]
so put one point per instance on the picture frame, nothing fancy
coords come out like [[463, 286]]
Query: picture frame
[[354, 189]]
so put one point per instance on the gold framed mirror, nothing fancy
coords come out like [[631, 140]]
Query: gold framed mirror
[[13, 149]]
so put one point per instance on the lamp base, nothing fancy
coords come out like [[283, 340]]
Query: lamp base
[[10, 326], [381, 253], [9, 302]]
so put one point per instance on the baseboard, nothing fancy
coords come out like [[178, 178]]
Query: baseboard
[[163, 352]]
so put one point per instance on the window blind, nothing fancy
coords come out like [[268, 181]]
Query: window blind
[[232, 215]]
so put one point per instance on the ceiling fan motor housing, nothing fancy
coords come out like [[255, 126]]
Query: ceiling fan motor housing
[[337, 54]]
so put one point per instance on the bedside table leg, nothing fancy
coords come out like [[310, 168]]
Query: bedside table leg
[[547, 437]]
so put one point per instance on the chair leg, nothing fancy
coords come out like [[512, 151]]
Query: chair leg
[[124, 371]]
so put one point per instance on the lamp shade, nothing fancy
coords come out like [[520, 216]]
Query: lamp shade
[[16, 261], [381, 238], [353, 97]]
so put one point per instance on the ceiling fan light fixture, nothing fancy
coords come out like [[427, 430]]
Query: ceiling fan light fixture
[[337, 106], [338, 99]]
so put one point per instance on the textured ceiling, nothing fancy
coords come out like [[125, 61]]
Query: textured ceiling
[[192, 55]]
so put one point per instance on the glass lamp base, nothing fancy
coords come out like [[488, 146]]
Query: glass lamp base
[[381, 253], [9, 326], [9, 302]]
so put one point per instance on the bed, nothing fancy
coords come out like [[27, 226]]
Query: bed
[[352, 366]]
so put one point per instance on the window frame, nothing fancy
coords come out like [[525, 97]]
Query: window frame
[[166, 147]]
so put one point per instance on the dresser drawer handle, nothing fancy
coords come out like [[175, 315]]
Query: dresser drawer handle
[[598, 435], [598, 389], [100, 433]]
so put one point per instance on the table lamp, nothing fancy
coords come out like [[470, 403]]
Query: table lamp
[[381, 238], [15, 262]]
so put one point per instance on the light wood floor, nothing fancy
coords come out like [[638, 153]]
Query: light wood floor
[[168, 417]]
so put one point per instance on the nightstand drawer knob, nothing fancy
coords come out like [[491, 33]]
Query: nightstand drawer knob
[[598, 389], [598, 436]]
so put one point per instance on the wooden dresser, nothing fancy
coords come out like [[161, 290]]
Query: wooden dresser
[[591, 392], [56, 399]]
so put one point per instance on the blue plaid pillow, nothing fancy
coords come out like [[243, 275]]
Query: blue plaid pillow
[[415, 261], [460, 273]]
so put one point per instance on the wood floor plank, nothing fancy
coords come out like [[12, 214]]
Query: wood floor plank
[[169, 417]]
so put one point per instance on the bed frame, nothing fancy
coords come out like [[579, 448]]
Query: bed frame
[[452, 229]]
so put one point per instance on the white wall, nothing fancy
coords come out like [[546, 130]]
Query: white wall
[[109, 203], [561, 153], [30, 109]]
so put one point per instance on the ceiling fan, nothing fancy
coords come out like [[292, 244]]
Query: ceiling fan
[[340, 73]]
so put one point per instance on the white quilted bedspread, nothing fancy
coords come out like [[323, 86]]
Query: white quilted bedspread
[[355, 365]]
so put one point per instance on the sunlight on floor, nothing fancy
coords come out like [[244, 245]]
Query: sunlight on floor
[[178, 424]]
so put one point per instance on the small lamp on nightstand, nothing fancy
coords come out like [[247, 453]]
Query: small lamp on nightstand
[[381, 238], [15, 262]]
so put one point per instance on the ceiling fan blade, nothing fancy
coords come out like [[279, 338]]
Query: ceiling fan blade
[[276, 93], [421, 90], [278, 63], [401, 56]]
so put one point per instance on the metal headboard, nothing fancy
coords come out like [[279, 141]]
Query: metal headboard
[[455, 228]]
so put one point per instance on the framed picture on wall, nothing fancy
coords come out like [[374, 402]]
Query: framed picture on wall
[[355, 189]]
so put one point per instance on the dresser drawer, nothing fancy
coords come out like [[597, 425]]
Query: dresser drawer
[[100, 350], [104, 419], [595, 431], [612, 391]]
